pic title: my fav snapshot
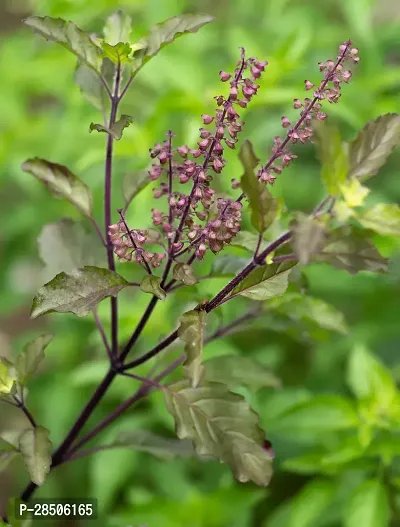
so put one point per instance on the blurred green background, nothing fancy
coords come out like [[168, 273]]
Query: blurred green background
[[43, 113]]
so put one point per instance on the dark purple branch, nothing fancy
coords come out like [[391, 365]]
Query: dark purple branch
[[107, 207]]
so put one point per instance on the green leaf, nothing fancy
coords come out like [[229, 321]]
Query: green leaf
[[309, 235], [228, 265], [184, 273], [35, 445], [116, 129], [354, 193], [333, 156], [91, 86], [165, 33], [222, 425], [245, 240], [77, 292], [265, 281], [306, 308], [383, 218], [7, 376], [368, 506], [152, 284], [133, 183], [61, 182], [28, 361], [7, 453], [322, 414], [306, 464], [65, 246], [311, 502], [70, 36], [348, 248], [264, 207], [118, 54], [373, 145], [369, 379], [163, 448], [118, 28], [25, 521], [191, 331], [234, 371]]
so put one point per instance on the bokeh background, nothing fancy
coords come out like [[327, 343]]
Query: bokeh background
[[43, 113]]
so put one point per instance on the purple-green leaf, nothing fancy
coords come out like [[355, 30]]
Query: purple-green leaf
[[70, 36], [191, 331], [35, 445], [222, 425], [116, 129], [61, 182], [373, 145], [78, 291]]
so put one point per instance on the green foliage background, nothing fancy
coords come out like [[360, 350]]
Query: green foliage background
[[43, 113]]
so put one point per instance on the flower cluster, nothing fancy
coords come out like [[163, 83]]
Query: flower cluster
[[183, 222], [185, 225], [329, 89], [128, 244]]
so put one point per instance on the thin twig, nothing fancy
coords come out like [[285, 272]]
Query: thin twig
[[100, 327], [98, 230], [20, 404]]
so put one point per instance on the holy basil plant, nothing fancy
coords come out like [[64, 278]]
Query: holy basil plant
[[190, 224]]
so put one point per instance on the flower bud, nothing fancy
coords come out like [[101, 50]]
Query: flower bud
[[224, 76], [207, 119]]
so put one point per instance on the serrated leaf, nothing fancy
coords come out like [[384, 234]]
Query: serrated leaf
[[184, 273], [368, 506], [65, 245], [264, 207], [118, 54], [383, 218], [309, 236], [322, 414], [164, 33], [234, 371], [311, 502], [152, 284], [35, 445], [349, 249], [373, 145], [33, 353], [7, 453], [116, 129], [133, 183], [354, 193], [68, 35], [161, 447], [7, 376], [228, 265], [191, 331], [61, 182], [265, 281], [77, 292], [118, 28], [301, 307], [333, 155], [222, 425]]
